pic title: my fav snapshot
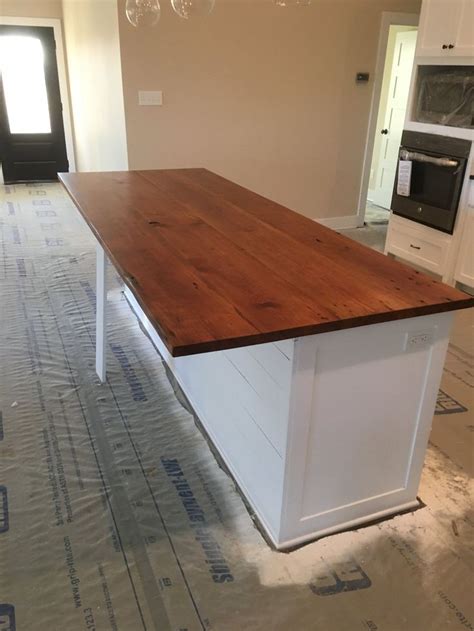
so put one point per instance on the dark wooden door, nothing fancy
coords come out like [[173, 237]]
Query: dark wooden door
[[32, 141]]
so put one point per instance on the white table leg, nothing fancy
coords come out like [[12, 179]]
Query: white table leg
[[101, 315]]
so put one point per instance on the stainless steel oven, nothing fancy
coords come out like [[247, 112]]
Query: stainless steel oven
[[429, 179]]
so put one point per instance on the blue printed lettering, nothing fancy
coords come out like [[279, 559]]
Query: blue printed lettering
[[129, 373], [7, 617], [4, 520], [348, 577], [218, 566]]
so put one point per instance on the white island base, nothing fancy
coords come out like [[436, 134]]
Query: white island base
[[325, 432]]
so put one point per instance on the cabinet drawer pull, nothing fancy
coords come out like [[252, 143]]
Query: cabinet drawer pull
[[415, 247]]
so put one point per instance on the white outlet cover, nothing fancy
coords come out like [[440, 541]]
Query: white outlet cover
[[150, 97], [419, 340]]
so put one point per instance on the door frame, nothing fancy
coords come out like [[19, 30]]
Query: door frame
[[388, 19], [63, 82]]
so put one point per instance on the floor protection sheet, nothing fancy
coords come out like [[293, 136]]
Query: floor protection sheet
[[114, 512]]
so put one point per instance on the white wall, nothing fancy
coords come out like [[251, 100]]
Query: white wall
[[31, 8], [95, 79]]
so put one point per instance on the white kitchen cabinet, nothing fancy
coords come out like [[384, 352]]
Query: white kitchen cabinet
[[465, 266], [318, 473], [446, 29], [418, 244], [464, 30]]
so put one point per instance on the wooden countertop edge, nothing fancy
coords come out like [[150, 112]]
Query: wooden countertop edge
[[269, 337], [325, 327]]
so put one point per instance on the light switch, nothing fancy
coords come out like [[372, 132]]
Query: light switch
[[147, 97]]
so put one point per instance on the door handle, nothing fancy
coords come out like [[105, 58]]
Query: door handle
[[444, 46], [415, 247], [384, 132], [451, 46]]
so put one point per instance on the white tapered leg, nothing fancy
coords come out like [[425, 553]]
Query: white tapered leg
[[101, 315]]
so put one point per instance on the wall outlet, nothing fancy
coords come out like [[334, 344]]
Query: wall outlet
[[147, 97], [417, 341]]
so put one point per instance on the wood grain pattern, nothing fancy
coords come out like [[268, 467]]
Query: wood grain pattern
[[215, 266]]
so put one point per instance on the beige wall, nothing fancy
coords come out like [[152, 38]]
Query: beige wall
[[95, 79], [31, 8], [263, 95]]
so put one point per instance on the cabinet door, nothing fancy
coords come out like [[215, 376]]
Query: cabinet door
[[465, 267], [464, 30], [438, 23]]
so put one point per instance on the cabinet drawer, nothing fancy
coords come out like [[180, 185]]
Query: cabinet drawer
[[408, 245]]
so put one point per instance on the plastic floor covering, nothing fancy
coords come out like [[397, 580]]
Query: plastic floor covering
[[114, 513]]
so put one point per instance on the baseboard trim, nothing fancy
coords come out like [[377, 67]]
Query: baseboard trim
[[340, 223]]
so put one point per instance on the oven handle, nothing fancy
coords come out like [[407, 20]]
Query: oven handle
[[421, 157]]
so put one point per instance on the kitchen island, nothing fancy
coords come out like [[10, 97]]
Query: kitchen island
[[312, 362]]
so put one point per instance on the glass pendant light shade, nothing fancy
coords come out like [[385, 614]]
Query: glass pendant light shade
[[143, 12], [190, 8]]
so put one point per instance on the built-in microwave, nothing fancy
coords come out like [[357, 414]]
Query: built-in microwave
[[445, 96], [429, 179]]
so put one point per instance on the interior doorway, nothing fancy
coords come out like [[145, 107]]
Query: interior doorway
[[391, 91], [391, 116]]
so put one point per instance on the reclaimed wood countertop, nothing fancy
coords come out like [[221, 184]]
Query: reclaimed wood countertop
[[215, 266]]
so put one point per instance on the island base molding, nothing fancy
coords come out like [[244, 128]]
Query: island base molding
[[322, 433]]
